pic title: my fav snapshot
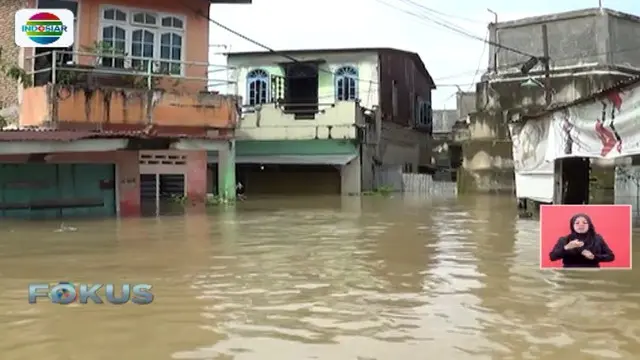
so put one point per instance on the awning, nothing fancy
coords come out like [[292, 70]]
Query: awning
[[290, 159]]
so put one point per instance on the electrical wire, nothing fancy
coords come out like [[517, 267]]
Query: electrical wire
[[454, 16], [452, 27], [293, 59], [520, 63], [199, 13], [259, 44], [457, 29], [434, 14], [484, 48]]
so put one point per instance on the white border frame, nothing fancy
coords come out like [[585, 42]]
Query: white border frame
[[630, 209]]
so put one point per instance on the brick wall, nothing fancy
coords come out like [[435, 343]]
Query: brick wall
[[9, 88]]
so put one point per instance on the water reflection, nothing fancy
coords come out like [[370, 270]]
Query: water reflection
[[315, 278]]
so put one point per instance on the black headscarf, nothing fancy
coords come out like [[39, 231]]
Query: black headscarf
[[587, 237]]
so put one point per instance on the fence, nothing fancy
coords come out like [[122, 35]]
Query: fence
[[393, 179], [424, 184], [69, 67]]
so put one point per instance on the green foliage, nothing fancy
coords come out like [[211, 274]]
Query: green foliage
[[381, 191], [13, 71], [211, 200], [103, 49]]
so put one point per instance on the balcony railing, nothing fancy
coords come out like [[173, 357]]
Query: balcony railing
[[73, 89], [86, 68], [300, 111]]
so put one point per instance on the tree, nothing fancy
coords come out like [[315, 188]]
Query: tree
[[13, 71]]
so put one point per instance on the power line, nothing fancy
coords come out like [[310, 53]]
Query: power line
[[452, 27], [479, 63], [411, 3], [454, 85], [555, 59], [456, 16], [259, 44]]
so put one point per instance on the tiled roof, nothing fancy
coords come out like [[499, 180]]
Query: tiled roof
[[40, 134]]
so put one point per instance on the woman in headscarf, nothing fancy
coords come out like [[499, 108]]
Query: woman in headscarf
[[583, 247]]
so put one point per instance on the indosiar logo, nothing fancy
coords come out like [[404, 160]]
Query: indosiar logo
[[44, 28]]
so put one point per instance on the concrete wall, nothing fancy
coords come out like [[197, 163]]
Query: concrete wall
[[401, 146], [487, 167], [582, 37], [366, 63], [624, 40], [465, 104], [584, 46], [443, 120], [627, 185], [100, 108], [11, 55], [486, 136], [268, 122]]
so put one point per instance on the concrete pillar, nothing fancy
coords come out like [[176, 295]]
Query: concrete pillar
[[196, 179], [128, 183], [227, 171], [351, 177]]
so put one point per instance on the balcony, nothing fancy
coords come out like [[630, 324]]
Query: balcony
[[85, 95], [274, 122]]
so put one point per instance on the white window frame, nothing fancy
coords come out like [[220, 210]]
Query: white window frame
[[129, 26]]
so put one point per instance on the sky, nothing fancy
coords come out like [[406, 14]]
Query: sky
[[451, 58]]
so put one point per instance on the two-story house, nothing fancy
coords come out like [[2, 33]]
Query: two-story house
[[324, 121], [123, 115]]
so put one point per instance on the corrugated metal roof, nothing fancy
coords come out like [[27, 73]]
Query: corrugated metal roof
[[291, 159], [43, 135], [40, 134]]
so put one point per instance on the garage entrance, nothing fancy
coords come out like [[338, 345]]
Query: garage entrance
[[44, 190]]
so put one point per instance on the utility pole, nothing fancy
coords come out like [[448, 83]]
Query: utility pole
[[495, 50], [600, 4], [547, 68]]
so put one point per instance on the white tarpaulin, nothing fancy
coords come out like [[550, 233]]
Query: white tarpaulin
[[534, 174], [607, 128]]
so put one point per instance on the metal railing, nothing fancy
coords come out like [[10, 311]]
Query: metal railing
[[291, 108], [60, 66]]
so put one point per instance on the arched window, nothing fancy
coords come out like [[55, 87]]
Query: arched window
[[346, 83], [257, 87]]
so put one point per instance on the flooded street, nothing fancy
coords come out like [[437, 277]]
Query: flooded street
[[325, 278]]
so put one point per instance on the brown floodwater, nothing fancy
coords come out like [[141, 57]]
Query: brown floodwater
[[314, 278]]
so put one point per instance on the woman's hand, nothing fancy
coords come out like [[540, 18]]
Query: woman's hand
[[588, 254], [573, 244]]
